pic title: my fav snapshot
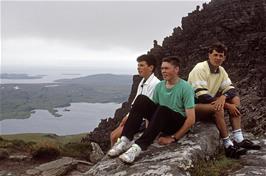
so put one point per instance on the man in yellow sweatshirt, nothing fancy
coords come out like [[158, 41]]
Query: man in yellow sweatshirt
[[215, 93]]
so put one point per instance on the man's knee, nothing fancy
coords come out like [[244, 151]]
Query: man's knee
[[235, 100], [163, 109], [141, 98], [140, 102]]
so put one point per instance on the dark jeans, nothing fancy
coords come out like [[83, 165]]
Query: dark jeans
[[161, 119]]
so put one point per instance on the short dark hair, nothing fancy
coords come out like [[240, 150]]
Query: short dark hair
[[219, 47], [174, 60], [149, 59]]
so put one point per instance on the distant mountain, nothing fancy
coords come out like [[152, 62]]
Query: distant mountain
[[99, 79]]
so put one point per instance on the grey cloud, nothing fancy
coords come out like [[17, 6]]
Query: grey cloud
[[94, 24]]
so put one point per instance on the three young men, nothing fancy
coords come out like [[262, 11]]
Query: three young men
[[170, 112], [214, 94]]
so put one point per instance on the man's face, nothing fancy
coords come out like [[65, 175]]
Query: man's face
[[169, 71], [216, 59], [144, 69]]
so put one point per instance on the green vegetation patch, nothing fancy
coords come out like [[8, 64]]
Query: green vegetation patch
[[46, 146], [218, 166]]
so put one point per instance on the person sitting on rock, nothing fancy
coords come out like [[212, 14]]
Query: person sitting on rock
[[214, 94], [170, 112], [146, 67]]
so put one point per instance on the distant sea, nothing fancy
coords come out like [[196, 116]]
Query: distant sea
[[75, 119]]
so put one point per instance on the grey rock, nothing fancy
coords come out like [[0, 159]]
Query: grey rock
[[254, 162], [19, 157], [3, 154], [173, 159], [96, 154], [5, 173], [58, 167]]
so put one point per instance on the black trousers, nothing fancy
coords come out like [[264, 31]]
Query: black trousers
[[161, 119]]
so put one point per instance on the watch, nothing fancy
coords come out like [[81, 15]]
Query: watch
[[173, 137]]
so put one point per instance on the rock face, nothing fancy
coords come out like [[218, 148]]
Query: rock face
[[174, 159], [241, 26]]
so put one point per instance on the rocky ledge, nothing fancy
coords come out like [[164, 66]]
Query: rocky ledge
[[175, 159], [254, 162]]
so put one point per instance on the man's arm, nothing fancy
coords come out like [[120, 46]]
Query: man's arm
[[190, 114], [190, 121]]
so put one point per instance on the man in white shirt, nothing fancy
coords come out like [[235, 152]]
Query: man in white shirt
[[146, 67]]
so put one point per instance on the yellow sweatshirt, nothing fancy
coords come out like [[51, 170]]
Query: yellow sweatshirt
[[205, 81]]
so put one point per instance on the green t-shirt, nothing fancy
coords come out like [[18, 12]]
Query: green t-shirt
[[178, 98]]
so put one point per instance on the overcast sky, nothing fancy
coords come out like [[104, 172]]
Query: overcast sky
[[85, 35]]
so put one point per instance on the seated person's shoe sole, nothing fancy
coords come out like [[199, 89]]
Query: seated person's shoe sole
[[235, 152], [247, 144]]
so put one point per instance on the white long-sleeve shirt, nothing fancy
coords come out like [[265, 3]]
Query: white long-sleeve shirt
[[147, 87]]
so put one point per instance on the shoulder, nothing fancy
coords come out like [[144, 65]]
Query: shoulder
[[222, 70], [161, 83], [185, 84], [155, 80], [200, 67]]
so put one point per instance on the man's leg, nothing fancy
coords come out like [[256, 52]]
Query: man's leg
[[116, 133], [204, 111], [235, 120], [143, 107], [164, 119], [237, 132]]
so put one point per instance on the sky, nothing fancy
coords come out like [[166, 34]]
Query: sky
[[90, 36]]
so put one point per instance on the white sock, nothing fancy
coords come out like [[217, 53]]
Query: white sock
[[125, 139], [238, 136], [227, 142]]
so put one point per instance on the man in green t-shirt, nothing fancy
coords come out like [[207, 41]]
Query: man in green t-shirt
[[171, 112]]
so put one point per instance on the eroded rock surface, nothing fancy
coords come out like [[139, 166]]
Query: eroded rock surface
[[174, 159]]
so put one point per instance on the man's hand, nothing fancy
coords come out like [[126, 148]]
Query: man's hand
[[165, 140], [219, 103], [233, 110]]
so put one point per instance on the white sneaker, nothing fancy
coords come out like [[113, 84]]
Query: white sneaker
[[130, 155], [121, 145]]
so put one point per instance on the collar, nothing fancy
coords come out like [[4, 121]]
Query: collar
[[148, 80], [212, 68]]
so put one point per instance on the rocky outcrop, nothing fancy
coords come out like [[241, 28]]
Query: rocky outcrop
[[174, 159]]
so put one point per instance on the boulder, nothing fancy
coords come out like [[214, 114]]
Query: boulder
[[174, 159], [4, 154], [58, 167]]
